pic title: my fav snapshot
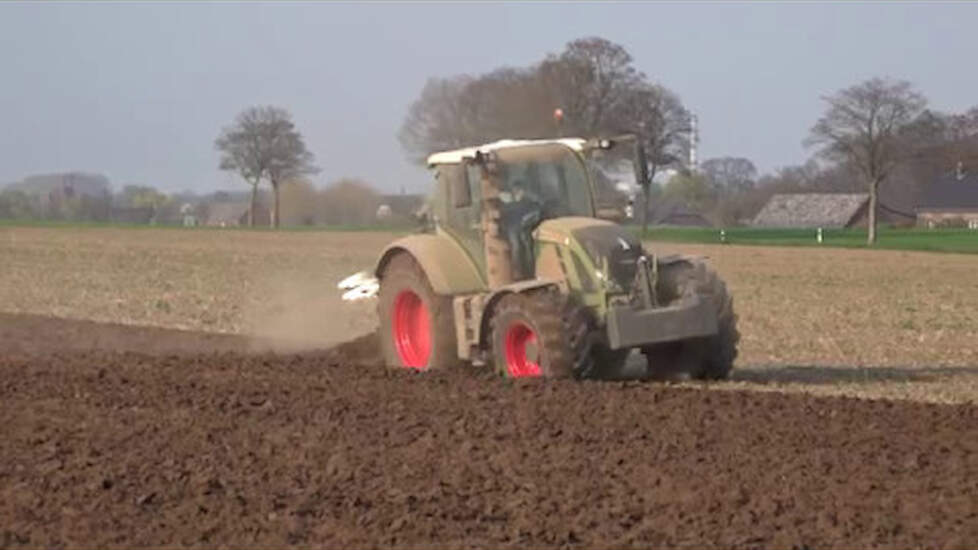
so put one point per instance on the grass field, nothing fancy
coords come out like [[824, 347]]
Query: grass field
[[935, 240], [962, 241], [825, 320]]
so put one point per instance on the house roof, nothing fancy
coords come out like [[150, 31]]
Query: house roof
[[403, 204], [226, 212], [949, 192], [810, 210]]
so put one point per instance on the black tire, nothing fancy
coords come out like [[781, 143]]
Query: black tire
[[402, 275], [558, 343], [593, 358], [701, 358]]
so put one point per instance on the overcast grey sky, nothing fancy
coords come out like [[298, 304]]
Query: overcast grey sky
[[138, 91]]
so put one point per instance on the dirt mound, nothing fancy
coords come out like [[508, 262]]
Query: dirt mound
[[109, 448], [364, 350], [36, 334]]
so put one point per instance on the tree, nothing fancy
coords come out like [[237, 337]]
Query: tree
[[350, 202], [691, 188], [263, 143], [141, 196], [300, 203], [862, 127], [730, 175], [16, 204], [435, 121], [592, 81], [938, 142], [657, 117]]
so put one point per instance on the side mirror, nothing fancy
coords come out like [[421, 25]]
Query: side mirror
[[422, 218]]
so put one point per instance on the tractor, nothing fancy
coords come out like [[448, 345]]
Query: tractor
[[517, 268]]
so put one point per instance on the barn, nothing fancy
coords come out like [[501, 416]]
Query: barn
[[808, 210], [234, 214]]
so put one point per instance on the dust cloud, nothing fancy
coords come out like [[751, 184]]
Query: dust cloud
[[293, 312]]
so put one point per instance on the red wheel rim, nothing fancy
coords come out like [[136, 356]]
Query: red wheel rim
[[522, 353], [412, 333]]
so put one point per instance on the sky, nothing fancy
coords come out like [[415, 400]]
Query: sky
[[138, 91]]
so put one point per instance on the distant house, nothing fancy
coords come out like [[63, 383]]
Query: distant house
[[235, 214], [828, 210], [399, 206], [187, 216], [951, 201], [133, 215], [673, 211]]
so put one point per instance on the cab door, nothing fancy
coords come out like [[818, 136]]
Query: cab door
[[463, 213]]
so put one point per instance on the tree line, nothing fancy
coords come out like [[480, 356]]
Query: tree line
[[875, 136], [591, 88], [346, 202]]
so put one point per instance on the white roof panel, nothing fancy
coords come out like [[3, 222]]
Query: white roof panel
[[456, 156]]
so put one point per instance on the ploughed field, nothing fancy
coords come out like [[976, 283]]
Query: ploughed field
[[267, 421], [867, 323], [117, 436]]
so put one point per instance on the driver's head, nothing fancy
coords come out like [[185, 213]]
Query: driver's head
[[518, 187]]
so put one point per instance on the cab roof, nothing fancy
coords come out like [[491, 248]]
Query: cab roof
[[456, 156]]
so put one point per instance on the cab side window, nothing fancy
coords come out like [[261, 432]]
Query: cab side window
[[458, 187]]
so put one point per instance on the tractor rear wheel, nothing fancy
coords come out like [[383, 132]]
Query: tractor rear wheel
[[528, 336], [416, 325], [708, 358]]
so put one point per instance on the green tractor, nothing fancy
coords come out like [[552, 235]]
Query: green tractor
[[519, 270]]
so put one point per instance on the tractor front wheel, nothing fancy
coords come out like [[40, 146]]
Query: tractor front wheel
[[709, 358], [529, 337]]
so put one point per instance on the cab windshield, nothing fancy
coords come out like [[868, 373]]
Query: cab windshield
[[613, 174], [550, 178]]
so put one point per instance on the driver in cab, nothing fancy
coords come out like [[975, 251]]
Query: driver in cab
[[521, 212]]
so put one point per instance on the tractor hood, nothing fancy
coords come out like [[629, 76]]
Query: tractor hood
[[606, 243]]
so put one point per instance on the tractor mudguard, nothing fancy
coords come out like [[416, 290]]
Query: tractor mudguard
[[474, 311], [518, 287], [676, 258], [448, 268]]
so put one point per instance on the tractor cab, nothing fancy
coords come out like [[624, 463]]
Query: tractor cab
[[515, 186]]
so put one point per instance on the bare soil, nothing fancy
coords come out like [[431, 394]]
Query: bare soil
[[115, 436]]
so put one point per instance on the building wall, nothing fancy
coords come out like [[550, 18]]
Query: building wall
[[948, 219], [263, 217]]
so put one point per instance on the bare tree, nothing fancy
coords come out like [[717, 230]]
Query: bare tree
[[657, 116], [862, 127], [436, 120], [592, 81], [730, 174], [939, 142], [263, 143]]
